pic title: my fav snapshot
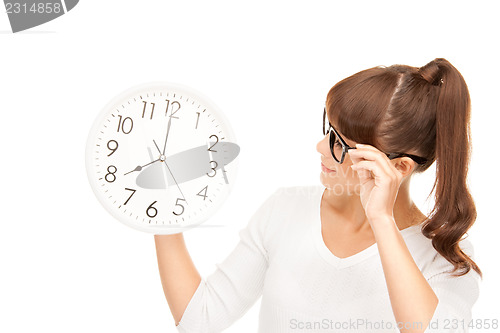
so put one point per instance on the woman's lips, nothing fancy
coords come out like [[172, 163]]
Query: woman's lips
[[325, 169]]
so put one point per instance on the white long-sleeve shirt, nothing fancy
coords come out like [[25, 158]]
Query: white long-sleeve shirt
[[282, 257]]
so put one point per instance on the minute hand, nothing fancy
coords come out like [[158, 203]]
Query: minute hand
[[166, 137]]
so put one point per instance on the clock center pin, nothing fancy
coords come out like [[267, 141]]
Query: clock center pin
[[162, 158]]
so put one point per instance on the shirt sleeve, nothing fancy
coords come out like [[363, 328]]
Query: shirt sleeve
[[236, 284], [456, 295]]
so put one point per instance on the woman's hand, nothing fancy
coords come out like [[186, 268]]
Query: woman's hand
[[379, 180]]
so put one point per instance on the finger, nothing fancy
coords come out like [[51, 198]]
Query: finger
[[359, 145], [359, 155], [373, 167], [366, 152], [364, 175], [379, 174]]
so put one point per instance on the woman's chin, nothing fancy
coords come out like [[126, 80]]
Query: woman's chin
[[329, 179]]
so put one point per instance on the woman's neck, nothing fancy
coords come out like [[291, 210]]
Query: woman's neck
[[350, 214]]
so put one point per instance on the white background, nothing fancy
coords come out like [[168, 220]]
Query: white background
[[67, 266]]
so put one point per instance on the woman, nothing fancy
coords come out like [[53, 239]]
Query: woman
[[354, 254]]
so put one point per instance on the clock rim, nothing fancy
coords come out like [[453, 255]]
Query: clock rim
[[102, 115]]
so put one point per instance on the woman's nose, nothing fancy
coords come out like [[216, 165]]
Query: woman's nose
[[322, 146]]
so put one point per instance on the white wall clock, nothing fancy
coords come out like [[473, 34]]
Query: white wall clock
[[161, 158]]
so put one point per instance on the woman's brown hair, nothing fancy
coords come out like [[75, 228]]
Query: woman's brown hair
[[422, 111]]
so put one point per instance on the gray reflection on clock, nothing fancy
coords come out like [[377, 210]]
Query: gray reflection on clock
[[188, 165]]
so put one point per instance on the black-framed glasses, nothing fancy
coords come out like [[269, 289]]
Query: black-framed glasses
[[339, 147]]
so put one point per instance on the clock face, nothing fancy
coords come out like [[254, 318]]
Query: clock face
[[161, 158]]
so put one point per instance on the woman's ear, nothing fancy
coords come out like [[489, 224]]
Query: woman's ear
[[405, 165]]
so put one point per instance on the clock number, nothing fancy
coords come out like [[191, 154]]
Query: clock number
[[144, 110], [111, 173], [178, 204], [214, 169], [113, 149], [197, 118], [151, 208], [210, 149], [122, 125], [133, 192], [172, 108], [204, 195]]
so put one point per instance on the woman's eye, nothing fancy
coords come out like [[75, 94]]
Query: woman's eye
[[338, 144]]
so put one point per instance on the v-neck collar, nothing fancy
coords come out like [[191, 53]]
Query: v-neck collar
[[332, 259]]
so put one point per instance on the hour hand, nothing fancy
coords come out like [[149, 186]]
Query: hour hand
[[139, 167]]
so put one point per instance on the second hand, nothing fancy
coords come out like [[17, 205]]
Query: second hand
[[170, 172]]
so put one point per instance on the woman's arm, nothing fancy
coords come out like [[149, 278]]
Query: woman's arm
[[178, 274], [213, 303], [441, 303], [412, 299]]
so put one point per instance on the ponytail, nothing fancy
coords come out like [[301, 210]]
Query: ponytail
[[454, 211]]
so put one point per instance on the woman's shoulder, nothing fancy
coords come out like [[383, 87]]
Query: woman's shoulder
[[296, 205], [288, 200], [292, 200], [429, 260], [299, 192], [289, 212]]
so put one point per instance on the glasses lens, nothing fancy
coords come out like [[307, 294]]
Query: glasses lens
[[336, 147], [335, 144]]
